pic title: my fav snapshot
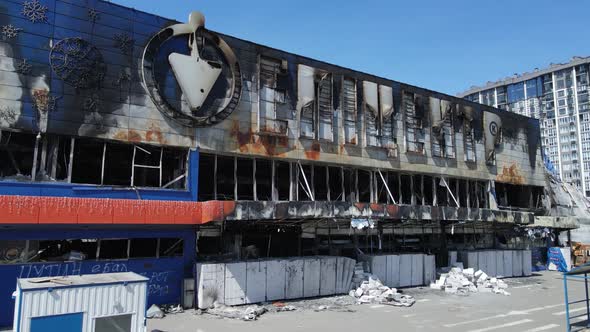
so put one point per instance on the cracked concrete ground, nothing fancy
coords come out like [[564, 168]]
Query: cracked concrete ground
[[536, 304]]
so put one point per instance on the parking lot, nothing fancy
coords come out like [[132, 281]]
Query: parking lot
[[536, 304]]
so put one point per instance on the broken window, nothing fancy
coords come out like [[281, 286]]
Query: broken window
[[315, 98], [16, 152], [394, 186], [442, 128], [364, 186], [427, 189], [468, 139], [463, 188], [53, 158], [442, 193], [225, 178], [320, 183], [283, 180], [273, 108], [263, 179], [206, 172], [305, 184], [382, 189], [418, 186], [349, 106], [113, 249], [306, 103], [143, 248], [350, 186], [388, 139], [245, 179], [88, 156], [335, 183], [117, 165], [169, 247], [406, 185], [413, 107]]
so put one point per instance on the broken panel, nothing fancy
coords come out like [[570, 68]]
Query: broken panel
[[349, 107], [263, 179], [413, 119], [272, 96], [325, 108], [371, 112], [442, 128], [306, 100]]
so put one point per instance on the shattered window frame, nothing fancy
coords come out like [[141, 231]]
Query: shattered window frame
[[413, 125], [444, 147], [349, 110], [271, 96]]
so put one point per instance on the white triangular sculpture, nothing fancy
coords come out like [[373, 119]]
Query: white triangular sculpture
[[195, 75]]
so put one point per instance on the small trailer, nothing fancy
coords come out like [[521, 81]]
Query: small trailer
[[83, 303]]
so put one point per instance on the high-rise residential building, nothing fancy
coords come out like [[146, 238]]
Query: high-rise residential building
[[558, 97]]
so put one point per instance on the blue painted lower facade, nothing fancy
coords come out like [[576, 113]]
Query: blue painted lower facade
[[165, 274]]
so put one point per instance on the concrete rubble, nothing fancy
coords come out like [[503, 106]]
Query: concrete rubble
[[464, 281], [373, 291]]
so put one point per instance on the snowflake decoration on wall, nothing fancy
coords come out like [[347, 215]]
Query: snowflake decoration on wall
[[123, 42], [8, 114], [93, 15], [24, 67], [10, 31], [92, 103], [123, 78], [34, 11]]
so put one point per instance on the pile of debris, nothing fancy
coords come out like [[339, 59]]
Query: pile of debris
[[373, 291], [464, 281]]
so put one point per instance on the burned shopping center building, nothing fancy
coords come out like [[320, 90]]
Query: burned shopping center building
[[130, 142]]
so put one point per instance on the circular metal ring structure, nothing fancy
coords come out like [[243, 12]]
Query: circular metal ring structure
[[78, 63], [152, 59]]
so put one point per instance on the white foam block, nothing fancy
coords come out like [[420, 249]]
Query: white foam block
[[210, 284], [311, 277], [235, 283], [417, 270], [499, 256], [517, 263], [508, 263], [294, 279], [275, 279], [255, 281], [405, 270], [429, 269], [393, 266], [527, 263], [328, 275]]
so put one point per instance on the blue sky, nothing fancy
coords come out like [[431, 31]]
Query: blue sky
[[446, 46]]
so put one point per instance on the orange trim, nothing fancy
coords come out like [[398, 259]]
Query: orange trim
[[66, 210]]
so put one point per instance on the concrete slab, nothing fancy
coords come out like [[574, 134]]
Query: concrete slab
[[517, 263], [527, 263], [210, 284], [499, 256], [276, 271], [235, 283], [311, 277], [255, 281], [508, 263], [328, 275], [405, 270], [491, 263], [429, 269], [393, 268], [294, 279], [417, 269]]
